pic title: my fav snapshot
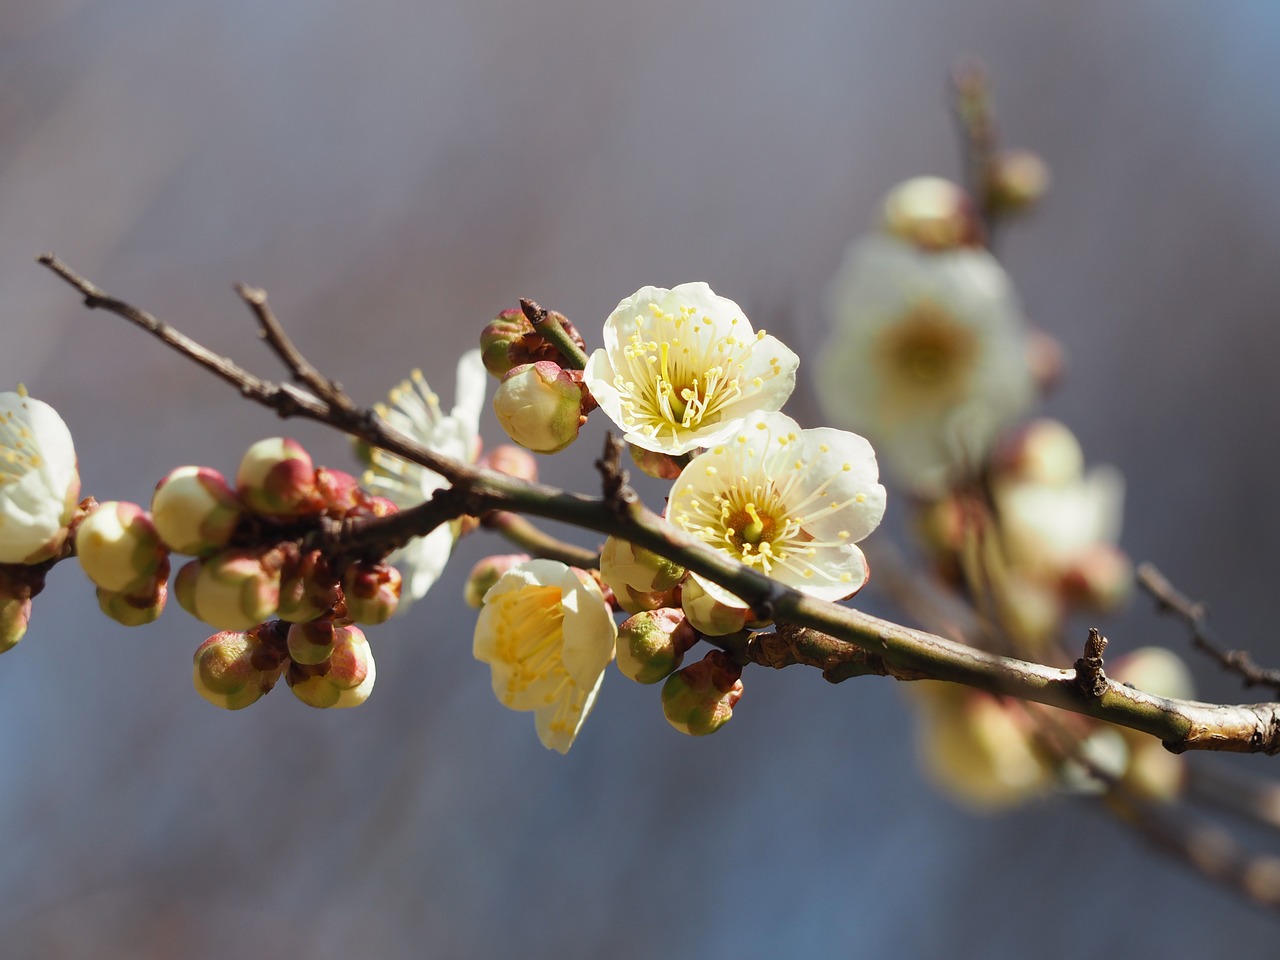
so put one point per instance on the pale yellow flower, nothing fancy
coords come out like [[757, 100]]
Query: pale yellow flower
[[39, 480]]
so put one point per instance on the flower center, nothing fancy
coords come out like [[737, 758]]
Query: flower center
[[529, 636], [926, 358]]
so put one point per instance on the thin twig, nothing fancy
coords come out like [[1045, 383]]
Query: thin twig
[[551, 326], [1170, 600], [538, 542]]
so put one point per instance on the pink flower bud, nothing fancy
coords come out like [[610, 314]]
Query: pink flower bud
[[308, 588], [232, 670], [195, 511], [338, 490], [236, 589], [932, 213], [653, 643], [118, 547], [345, 679], [372, 591], [699, 699], [511, 460], [311, 643], [277, 478], [486, 573], [539, 405], [134, 610], [652, 463], [639, 578]]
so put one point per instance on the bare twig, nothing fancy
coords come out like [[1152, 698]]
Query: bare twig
[[538, 542], [1170, 600], [550, 325], [971, 102]]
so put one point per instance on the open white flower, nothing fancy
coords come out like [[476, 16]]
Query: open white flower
[[679, 367], [415, 411], [789, 502], [547, 634], [927, 356], [39, 480]]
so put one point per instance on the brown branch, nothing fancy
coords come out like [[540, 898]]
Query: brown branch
[[1089, 675], [1170, 600], [538, 542]]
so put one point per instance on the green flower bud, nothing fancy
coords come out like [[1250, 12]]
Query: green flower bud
[[502, 342], [345, 679], [311, 643], [539, 405], [639, 578], [15, 609], [699, 699], [229, 670], [653, 643]]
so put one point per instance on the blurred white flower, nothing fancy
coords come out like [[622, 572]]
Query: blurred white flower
[[789, 502], [415, 411], [927, 356], [547, 634], [39, 481], [679, 367]]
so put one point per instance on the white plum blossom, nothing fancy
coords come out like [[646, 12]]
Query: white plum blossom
[[547, 634], [414, 410], [39, 479], [679, 367], [791, 503], [927, 356]]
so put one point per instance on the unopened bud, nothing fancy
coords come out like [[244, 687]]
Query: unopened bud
[[345, 679], [15, 609], [184, 586], [1101, 578], [486, 573], [229, 672], [511, 460], [195, 510], [653, 643], [118, 547], [1018, 181], [1153, 670], [932, 213], [699, 699], [501, 339], [639, 578], [651, 463], [308, 588], [134, 610], [539, 405], [1045, 359], [235, 589], [338, 490], [277, 478], [708, 615], [1044, 451], [311, 643], [372, 591]]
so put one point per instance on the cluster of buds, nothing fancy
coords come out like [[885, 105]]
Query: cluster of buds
[[539, 403], [248, 564]]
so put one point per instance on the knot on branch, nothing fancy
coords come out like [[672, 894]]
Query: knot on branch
[[1090, 677]]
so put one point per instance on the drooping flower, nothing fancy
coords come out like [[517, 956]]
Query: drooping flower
[[415, 411], [547, 634], [791, 503], [927, 356], [39, 480], [679, 367]]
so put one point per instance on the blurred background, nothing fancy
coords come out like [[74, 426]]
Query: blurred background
[[396, 173]]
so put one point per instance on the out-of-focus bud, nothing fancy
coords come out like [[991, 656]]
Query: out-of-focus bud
[[663, 466], [345, 679], [639, 578], [195, 510], [118, 547], [486, 573], [311, 643], [511, 460], [338, 490], [1044, 451], [653, 643], [1018, 181], [1153, 771], [234, 589], [372, 591], [232, 670], [184, 586], [941, 524], [503, 337], [539, 405], [277, 478], [932, 213], [1100, 578], [1153, 670], [708, 615], [15, 609], [699, 699], [1045, 359], [308, 588]]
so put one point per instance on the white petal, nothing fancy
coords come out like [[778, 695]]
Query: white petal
[[471, 380]]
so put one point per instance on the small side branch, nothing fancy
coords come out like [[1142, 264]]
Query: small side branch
[[1170, 600], [550, 325], [1090, 677]]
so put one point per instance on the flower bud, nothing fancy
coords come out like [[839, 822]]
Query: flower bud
[[1045, 360], [372, 591], [338, 490], [232, 670], [308, 588], [1018, 180], [184, 586], [195, 511], [511, 460], [931, 213], [699, 699], [277, 478], [235, 589], [311, 643], [134, 610], [502, 337], [486, 573], [15, 609], [345, 679], [708, 615], [639, 578], [539, 405], [1044, 451], [653, 643], [118, 547], [652, 463], [1101, 578]]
